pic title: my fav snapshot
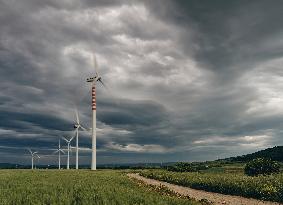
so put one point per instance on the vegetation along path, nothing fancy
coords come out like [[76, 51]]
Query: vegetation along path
[[215, 198]]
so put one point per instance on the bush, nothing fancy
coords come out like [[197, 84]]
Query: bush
[[261, 166]]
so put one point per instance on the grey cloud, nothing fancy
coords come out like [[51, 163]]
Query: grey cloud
[[129, 112], [179, 71], [229, 37]]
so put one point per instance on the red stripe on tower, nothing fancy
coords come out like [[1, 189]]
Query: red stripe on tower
[[93, 98]]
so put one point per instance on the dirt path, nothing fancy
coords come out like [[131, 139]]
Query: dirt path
[[199, 194]]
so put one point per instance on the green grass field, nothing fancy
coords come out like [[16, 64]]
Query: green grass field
[[20, 187], [226, 180]]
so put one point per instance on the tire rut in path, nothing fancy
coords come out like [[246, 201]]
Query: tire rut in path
[[215, 198]]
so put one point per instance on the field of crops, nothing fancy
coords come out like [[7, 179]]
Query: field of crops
[[261, 187], [77, 187]]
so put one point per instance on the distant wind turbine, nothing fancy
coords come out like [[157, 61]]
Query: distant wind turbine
[[33, 154], [69, 144], [59, 150], [77, 127]]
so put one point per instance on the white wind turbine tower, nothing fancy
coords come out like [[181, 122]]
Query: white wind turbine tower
[[33, 154], [93, 81], [77, 127], [68, 143], [59, 150]]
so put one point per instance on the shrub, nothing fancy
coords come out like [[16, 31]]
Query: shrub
[[261, 166]]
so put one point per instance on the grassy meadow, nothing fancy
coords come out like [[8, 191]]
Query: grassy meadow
[[107, 187], [228, 179], [78, 187]]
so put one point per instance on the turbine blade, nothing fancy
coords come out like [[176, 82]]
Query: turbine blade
[[75, 134], [99, 78], [77, 116], [30, 151], [84, 129], [37, 156], [62, 151], [106, 87], [109, 91], [94, 64], [103, 84], [65, 139], [55, 152]]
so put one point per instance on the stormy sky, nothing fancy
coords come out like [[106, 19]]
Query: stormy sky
[[186, 80]]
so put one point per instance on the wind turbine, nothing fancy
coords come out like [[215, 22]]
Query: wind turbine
[[32, 156], [68, 143], [77, 127], [59, 150], [93, 81]]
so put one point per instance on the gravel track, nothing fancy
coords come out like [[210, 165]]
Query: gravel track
[[215, 198]]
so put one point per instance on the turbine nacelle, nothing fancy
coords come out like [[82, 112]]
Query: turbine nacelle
[[93, 79]]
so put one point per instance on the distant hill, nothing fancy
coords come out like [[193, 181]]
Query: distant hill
[[275, 153]]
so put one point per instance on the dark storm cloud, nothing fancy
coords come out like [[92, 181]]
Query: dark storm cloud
[[195, 79], [231, 34], [42, 120], [133, 113]]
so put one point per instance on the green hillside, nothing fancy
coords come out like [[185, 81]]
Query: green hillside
[[275, 153]]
